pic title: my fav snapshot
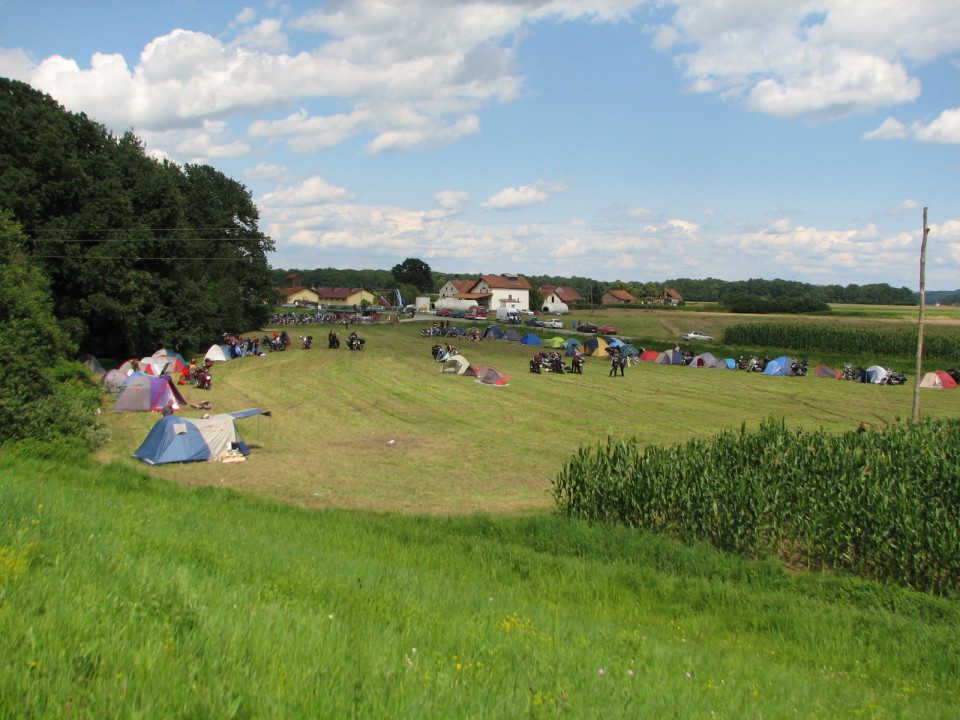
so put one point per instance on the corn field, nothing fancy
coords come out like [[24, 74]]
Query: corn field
[[836, 338], [881, 504]]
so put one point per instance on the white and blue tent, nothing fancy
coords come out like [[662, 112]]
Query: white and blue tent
[[175, 439]]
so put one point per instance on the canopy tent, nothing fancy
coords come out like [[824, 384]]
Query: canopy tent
[[146, 393], [939, 380], [216, 354], [531, 339], [825, 371], [455, 365], [174, 439], [491, 376]]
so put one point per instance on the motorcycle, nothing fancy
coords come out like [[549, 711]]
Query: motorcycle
[[799, 368], [306, 341], [850, 372], [576, 365], [355, 343], [333, 341], [203, 378], [894, 378]]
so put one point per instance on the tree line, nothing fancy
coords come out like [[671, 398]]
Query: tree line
[[139, 253]]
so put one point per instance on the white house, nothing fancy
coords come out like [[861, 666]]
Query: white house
[[501, 291]]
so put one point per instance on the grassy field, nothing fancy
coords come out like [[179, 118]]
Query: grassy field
[[383, 429], [124, 597], [388, 550]]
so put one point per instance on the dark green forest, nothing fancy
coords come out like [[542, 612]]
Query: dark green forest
[[138, 253]]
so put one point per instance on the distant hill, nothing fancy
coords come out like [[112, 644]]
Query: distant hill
[[943, 297]]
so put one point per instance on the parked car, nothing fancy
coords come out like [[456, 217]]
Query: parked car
[[476, 312], [444, 312], [607, 329], [459, 314], [587, 327], [553, 323], [534, 322], [696, 335], [526, 312]]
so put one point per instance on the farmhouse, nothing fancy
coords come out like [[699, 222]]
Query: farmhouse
[[293, 292], [617, 297], [456, 286], [499, 291], [556, 294], [345, 296]]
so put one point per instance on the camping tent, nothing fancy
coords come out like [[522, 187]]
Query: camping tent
[[595, 347], [702, 360], [670, 357], [649, 355], [493, 332], [531, 339], [555, 342], [113, 381], [939, 380], [780, 366], [615, 342], [93, 364], [876, 374], [456, 365], [146, 393], [825, 371], [511, 335], [175, 439], [216, 354], [491, 376], [573, 346], [630, 350], [152, 366]]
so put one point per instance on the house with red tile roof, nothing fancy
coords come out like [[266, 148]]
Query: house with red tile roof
[[617, 297]]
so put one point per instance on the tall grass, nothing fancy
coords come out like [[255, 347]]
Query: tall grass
[[124, 596]]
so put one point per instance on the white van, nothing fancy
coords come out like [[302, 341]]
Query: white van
[[508, 315]]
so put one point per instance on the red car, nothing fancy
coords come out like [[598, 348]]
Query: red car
[[607, 329], [444, 312]]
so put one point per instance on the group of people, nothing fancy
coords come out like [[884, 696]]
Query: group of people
[[241, 346], [618, 361], [441, 353], [553, 362], [197, 375]]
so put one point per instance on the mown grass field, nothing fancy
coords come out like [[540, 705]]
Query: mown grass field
[[383, 429], [388, 550]]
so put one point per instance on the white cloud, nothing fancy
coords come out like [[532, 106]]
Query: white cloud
[[890, 129], [268, 172], [944, 129], [822, 58], [452, 201], [15, 63], [312, 191], [512, 198]]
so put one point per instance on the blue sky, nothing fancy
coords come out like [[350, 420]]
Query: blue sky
[[613, 139]]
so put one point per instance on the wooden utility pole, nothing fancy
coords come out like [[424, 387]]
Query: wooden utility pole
[[923, 306]]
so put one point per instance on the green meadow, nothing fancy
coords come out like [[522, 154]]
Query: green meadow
[[389, 549]]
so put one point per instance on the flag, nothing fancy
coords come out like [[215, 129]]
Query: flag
[[384, 302], [400, 301]]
